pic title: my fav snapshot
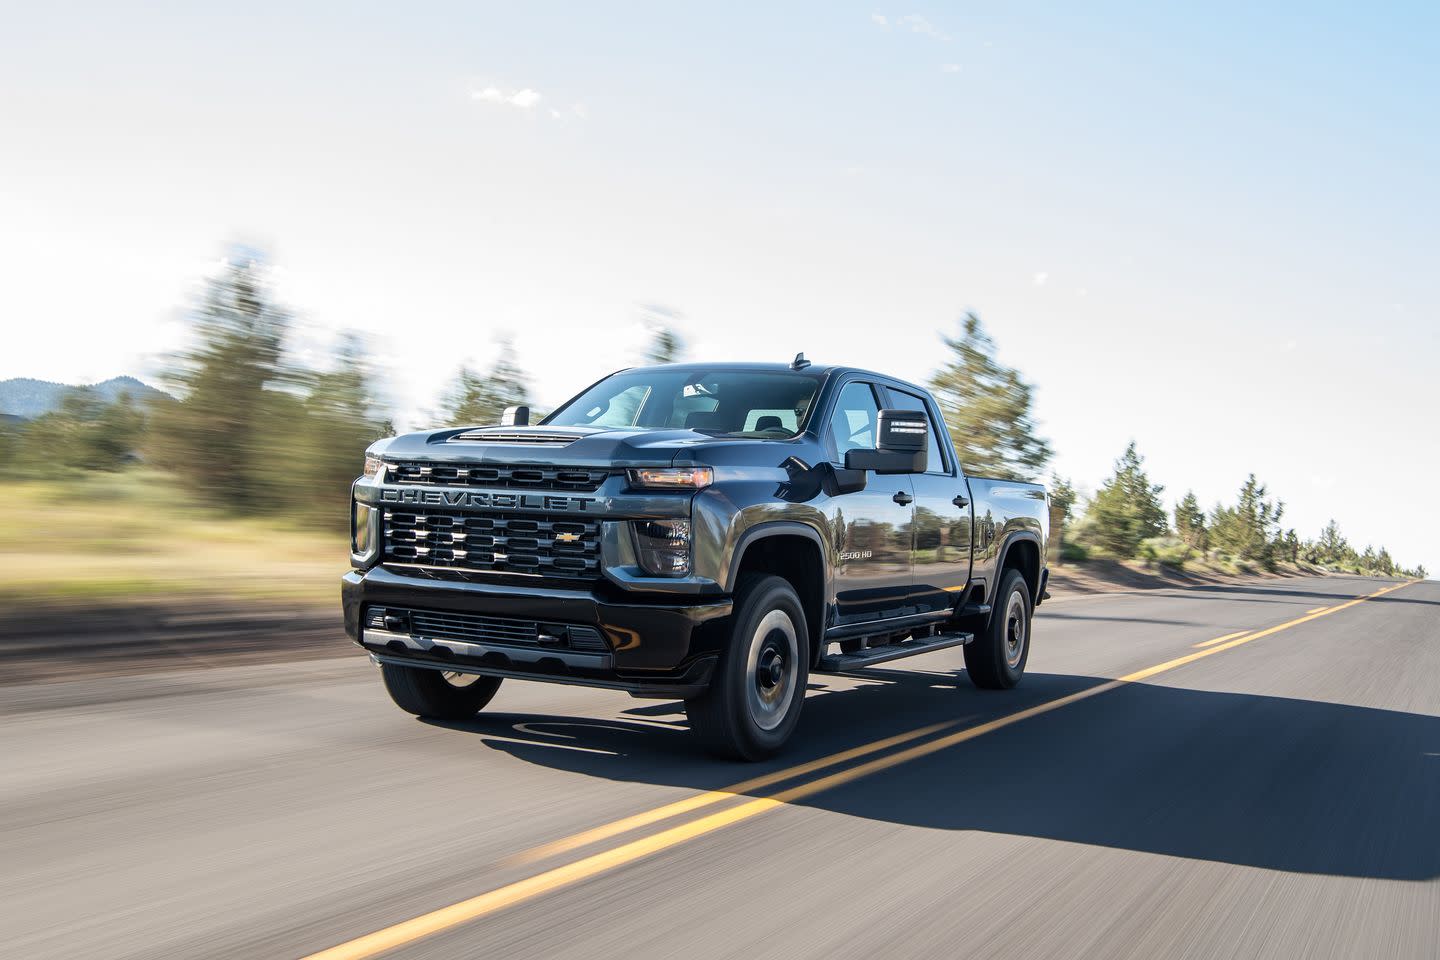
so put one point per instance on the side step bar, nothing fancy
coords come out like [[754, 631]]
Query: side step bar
[[842, 662]]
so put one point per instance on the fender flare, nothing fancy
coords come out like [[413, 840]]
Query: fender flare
[[1009, 542], [775, 528]]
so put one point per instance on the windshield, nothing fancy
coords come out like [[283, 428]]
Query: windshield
[[764, 404]]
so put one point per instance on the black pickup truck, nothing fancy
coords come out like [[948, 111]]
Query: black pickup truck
[[708, 532]]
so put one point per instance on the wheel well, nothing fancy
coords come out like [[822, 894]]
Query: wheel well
[[1024, 556], [796, 559]]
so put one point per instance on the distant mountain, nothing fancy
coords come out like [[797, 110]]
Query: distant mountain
[[26, 398]]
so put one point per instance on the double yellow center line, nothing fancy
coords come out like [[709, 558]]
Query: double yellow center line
[[569, 874]]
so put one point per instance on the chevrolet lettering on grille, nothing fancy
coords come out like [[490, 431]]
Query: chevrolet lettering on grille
[[480, 498]]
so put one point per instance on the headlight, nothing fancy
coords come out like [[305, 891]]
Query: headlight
[[374, 466], [663, 547], [671, 478], [362, 536]]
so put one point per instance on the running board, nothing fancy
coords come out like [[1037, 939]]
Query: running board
[[843, 662]]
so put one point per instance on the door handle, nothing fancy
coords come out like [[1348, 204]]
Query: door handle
[[902, 498], [961, 502]]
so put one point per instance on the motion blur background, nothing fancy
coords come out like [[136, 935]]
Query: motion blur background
[[1201, 241]]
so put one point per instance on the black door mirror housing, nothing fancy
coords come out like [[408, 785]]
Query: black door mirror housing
[[903, 444]]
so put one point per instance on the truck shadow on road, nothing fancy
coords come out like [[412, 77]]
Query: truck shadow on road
[[1271, 782]]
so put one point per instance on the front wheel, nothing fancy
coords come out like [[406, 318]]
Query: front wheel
[[438, 694], [996, 658], [753, 702]]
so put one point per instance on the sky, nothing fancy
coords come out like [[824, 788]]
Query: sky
[[1208, 229]]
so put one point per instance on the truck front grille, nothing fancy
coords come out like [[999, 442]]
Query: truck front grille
[[483, 628], [493, 542], [510, 476]]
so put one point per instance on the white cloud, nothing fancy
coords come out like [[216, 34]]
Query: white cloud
[[525, 98], [1040, 278], [555, 113], [580, 111], [919, 24], [949, 68], [880, 19]]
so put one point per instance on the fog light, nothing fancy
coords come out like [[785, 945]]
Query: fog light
[[362, 535], [663, 547]]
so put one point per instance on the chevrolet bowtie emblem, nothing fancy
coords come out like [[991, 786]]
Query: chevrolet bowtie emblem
[[567, 537]]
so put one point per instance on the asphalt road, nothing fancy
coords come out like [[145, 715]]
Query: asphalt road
[[1276, 796]]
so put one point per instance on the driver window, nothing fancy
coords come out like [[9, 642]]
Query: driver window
[[853, 424]]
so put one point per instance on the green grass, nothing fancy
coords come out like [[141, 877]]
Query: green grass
[[137, 535]]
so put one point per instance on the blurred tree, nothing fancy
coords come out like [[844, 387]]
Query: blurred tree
[[210, 438], [987, 408], [1062, 508], [320, 441], [1062, 496], [1190, 521], [666, 344], [479, 400], [1126, 509], [1292, 545], [665, 347], [9, 445], [1420, 573], [85, 433]]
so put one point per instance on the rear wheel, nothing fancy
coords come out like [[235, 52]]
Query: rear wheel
[[439, 694], [754, 699], [996, 658]]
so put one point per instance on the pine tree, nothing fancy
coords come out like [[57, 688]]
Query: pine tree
[[1384, 563], [1127, 508], [987, 408], [211, 436], [1250, 529], [1190, 521], [1331, 548], [480, 400]]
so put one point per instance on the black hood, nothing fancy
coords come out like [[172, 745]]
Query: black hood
[[588, 446]]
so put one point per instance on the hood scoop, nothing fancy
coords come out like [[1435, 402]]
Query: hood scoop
[[529, 438]]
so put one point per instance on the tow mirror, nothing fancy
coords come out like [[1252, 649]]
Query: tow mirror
[[902, 444], [515, 417]]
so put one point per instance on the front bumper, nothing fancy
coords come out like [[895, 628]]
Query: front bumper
[[655, 647]]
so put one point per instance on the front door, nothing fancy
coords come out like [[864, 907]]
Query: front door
[[872, 527], [941, 563]]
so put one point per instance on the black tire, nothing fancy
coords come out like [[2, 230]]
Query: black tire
[[755, 696], [992, 659], [438, 694]]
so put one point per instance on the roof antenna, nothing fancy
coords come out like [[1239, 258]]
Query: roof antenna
[[799, 363]]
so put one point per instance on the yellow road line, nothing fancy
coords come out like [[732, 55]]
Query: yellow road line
[[709, 798], [445, 918], [1228, 636], [1316, 609]]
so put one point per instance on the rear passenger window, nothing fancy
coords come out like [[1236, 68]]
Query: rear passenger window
[[908, 401]]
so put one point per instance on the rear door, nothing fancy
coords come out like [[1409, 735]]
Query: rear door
[[871, 527], [941, 561]]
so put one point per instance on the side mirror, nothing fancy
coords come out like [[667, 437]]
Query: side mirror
[[515, 417], [903, 445]]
